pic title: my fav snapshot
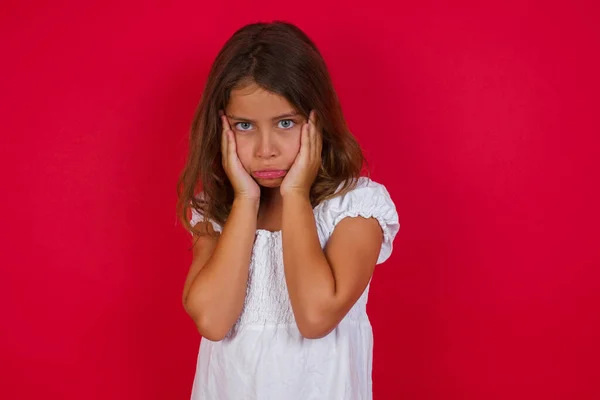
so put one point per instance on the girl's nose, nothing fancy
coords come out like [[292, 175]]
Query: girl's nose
[[266, 147]]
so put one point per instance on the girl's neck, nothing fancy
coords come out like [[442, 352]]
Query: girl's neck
[[271, 207]]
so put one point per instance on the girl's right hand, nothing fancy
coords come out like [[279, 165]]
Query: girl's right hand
[[243, 184]]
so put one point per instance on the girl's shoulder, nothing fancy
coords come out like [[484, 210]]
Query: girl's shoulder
[[367, 199], [198, 214], [365, 191]]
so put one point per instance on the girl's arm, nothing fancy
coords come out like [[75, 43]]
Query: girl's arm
[[215, 287], [324, 285]]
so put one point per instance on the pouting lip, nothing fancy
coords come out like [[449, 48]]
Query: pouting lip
[[275, 173], [263, 171]]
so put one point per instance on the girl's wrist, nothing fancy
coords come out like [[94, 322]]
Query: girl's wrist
[[295, 193], [248, 203], [295, 197]]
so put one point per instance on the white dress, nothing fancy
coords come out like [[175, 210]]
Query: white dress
[[264, 357]]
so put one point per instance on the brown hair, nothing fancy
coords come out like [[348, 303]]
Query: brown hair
[[282, 59]]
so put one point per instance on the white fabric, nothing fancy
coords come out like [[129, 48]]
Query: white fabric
[[264, 356]]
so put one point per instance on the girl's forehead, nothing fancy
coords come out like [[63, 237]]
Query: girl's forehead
[[255, 102]]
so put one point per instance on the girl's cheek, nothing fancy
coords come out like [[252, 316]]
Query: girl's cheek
[[293, 140], [243, 148], [242, 141]]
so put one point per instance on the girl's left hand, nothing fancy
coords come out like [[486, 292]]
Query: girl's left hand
[[303, 172]]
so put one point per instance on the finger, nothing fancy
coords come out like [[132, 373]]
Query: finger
[[304, 142], [232, 145], [310, 141], [318, 144], [319, 137], [312, 117], [232, 150], [226, 123], [224, 141], [313, 136]]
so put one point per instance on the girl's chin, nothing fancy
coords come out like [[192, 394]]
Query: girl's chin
[[269, 183]]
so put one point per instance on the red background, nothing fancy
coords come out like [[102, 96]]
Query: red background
[[482, 121]]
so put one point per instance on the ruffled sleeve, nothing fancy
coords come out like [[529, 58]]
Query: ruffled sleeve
[[368, 200], [198, 216]]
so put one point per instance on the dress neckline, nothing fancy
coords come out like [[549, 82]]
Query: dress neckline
[[266, 232]]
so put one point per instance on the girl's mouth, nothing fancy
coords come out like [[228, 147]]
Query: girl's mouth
[[270, 174]]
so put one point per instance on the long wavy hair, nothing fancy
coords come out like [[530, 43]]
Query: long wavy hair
[[282, 59]]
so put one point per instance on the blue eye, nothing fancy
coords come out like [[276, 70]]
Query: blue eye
[[243, 126], [286, 123]]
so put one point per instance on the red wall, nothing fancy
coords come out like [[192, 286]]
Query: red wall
[[482, 121]]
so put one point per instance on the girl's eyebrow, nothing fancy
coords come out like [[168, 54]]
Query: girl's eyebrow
[[286, 115]]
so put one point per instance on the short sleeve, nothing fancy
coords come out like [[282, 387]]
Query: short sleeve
[[368, 200], [198, 216]]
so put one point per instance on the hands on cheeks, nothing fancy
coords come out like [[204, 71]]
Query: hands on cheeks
[[241, 181], [305, 168]]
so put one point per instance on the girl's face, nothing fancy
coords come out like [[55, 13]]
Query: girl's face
[[267, 133]]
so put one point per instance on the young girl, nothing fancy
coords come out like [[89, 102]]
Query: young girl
[[286, 231]]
